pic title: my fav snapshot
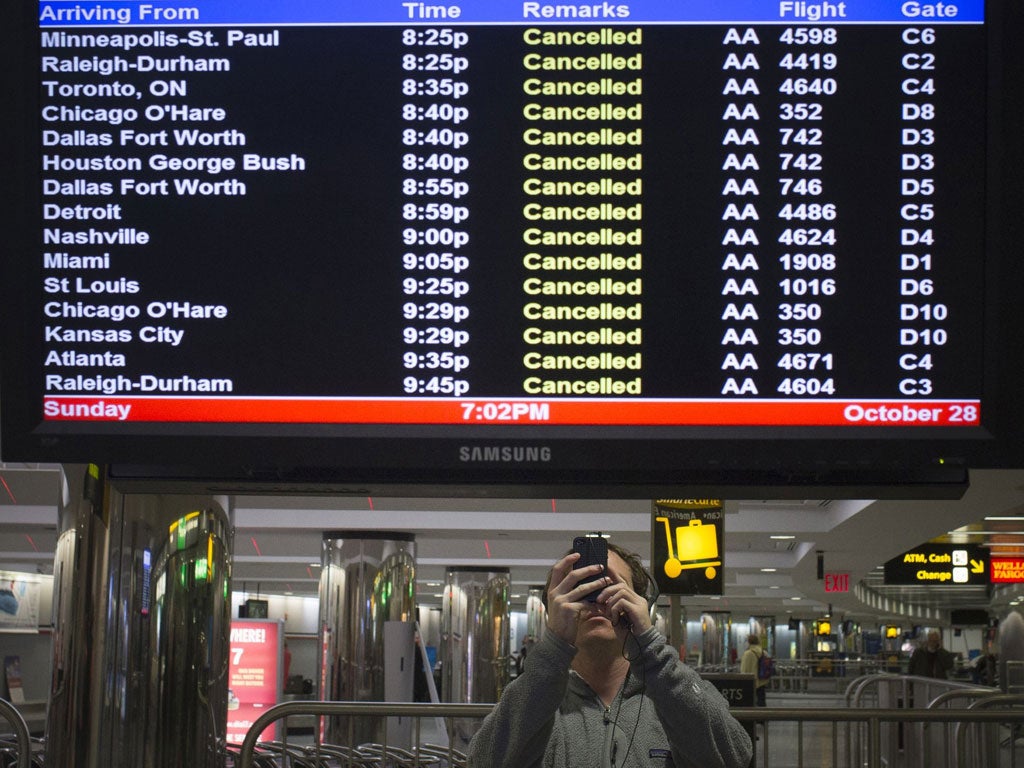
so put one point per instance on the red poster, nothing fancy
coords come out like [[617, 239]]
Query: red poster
[[255, 675]]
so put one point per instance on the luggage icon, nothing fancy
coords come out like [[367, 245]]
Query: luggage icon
[[696, 547]]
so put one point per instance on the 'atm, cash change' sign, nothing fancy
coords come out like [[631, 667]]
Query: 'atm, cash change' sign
[[939, 564]]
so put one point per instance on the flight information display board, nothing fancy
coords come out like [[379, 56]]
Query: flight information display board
[[500, 219]]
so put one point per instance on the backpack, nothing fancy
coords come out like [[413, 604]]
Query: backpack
[[765, 667]]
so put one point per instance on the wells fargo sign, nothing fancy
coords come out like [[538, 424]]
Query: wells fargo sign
[[1004, 570]]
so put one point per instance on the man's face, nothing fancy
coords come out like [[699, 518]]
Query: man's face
[[595, 625]]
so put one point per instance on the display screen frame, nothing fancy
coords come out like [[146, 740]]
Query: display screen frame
[[528, 459]]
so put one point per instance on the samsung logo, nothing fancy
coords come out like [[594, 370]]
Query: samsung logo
[[505, 454]]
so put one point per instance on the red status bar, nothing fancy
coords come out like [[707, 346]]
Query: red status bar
[[797, 413]]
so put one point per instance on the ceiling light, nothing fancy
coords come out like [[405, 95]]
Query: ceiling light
[[769, 570], [781, 536], [986, 533]]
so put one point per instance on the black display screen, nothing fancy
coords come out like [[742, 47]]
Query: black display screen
[[488, 243]]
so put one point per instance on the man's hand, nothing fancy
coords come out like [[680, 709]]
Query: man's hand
[[566, 594], [623, 605]]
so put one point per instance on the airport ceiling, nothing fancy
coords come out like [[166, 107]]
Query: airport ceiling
[[277, 542]]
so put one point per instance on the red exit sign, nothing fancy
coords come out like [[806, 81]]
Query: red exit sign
[[837, 582]]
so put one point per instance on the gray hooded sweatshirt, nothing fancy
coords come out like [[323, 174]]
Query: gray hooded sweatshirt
[[665, 716]]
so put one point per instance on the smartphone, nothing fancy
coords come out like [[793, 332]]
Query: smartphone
[[593, 550]]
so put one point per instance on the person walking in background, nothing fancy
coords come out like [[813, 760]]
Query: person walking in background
[[749, 665], [931, 659], [521, 659]]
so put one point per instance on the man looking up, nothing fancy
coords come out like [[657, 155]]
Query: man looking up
[[603, 689]]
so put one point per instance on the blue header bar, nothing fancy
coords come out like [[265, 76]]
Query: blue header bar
[[160, 13]]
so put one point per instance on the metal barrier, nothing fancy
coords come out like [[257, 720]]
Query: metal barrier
[[868, 724], [985, 750], [975, 742], [916, 744], [358, 756], [23, 742], [800, 675]]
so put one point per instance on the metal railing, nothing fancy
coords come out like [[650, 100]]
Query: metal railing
[[919, 743], [981, 735], [863, 747], [799, 675], [23, 741], [357, 756]]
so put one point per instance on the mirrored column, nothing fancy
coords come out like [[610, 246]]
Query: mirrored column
[[367, 585]]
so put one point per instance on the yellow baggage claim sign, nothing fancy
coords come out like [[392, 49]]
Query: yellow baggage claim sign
[[686, 546], [940, 564]]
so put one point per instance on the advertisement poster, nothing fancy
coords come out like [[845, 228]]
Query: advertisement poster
[[12, 673], [257, 647], [19, 602], [686, 546]]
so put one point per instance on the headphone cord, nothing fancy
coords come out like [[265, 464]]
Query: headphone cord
[[622, 690]]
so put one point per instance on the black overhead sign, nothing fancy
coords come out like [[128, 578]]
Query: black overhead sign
[[686, 546], [940, 564]]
